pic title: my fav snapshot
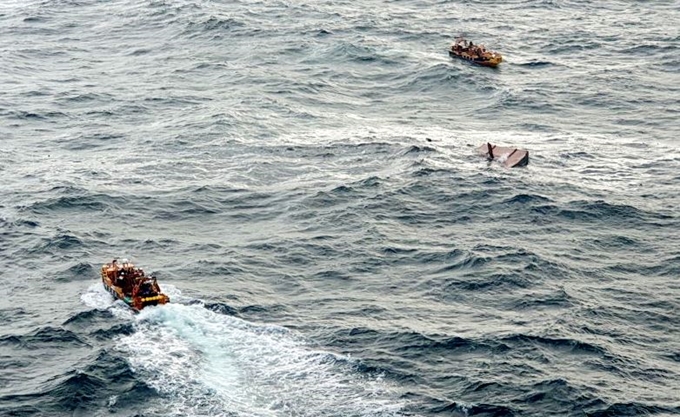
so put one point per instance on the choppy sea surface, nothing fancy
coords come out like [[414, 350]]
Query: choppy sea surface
[[302, 178]]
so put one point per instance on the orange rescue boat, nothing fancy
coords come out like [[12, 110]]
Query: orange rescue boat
[[131, 285], [477, 54]]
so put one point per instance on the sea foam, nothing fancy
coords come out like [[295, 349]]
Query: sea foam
[[211, 364]]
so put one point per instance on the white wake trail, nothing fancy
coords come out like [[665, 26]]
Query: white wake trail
[[211, 364]]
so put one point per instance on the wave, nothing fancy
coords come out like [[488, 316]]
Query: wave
[[103, 321], [602, 209], [431, 79], [222, 308], [79, 272], [465, 260], [30, 115], [633, 409], [413, 344], [83, 203], [415, 149], [93, 141], [66, 394], [63, 241], [113, 332], [590, 211], [213, 23], [572, 346], [104, 380], [26, 223], [527, 199], [44, 337], [481, 410], [86, 318], [356, 53], [536, 64], [9, 315], [344, 193], [76, 390], [556, 299], [183, 210]]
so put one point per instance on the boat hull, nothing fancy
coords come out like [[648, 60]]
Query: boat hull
[[510, 157], [491, 62]]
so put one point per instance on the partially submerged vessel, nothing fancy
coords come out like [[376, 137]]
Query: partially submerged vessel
[[131, 285], [510, 157], [477, 54]]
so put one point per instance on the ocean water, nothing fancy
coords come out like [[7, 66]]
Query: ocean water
[[302, 178]]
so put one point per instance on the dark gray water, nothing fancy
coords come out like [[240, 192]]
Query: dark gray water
[[302, 178]]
